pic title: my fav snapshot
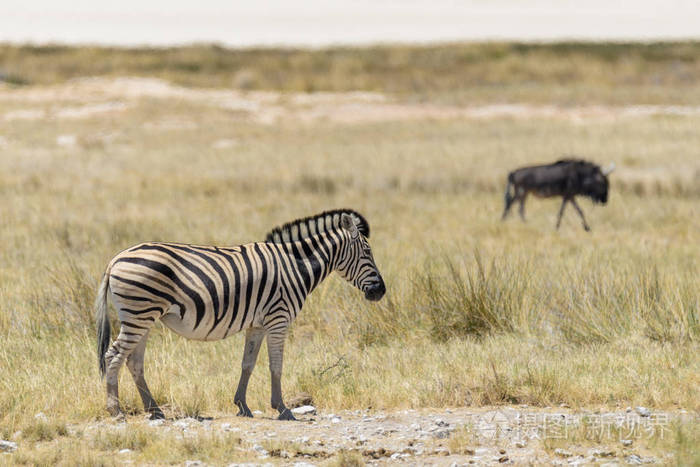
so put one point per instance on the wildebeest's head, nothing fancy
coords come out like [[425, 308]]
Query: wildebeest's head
[[594, 183]]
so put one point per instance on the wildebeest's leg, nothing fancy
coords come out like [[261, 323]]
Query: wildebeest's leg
[[561, 211], [275, 350], [522, 197], [135, 364], [253, 339], [508, 198], [580, 213], [128, 339]]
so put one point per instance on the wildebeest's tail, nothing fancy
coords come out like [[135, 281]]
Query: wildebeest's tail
[[103, 329]]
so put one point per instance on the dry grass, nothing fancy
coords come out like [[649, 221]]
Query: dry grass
[[562, 72], [477, 311]]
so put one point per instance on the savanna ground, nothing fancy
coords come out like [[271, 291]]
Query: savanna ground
[[104, 148]]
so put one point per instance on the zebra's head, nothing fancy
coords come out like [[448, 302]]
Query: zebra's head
[[356, 264]]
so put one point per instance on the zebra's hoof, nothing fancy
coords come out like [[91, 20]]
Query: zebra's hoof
[[286, 414], [157, 415]]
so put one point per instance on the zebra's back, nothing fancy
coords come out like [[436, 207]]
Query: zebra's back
[[201, 292]]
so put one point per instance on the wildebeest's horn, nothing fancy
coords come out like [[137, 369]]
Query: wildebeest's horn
[[609, 169]]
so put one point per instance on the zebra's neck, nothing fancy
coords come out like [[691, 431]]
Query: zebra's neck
[[315, 257]]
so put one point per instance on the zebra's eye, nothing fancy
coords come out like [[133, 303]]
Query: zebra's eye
[[367, 251]]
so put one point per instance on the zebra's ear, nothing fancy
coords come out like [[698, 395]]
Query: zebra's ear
[[348, 223]]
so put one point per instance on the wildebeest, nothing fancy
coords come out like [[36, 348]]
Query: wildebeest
[[566, 178]]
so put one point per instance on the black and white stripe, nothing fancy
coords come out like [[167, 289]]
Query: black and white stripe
[[209, 293]]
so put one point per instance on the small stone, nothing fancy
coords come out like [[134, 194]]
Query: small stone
[[442, 452], [441, 434], [335, 420], [260, 450], [304, 410], [441, 422], [562, 453], [193, 463], [503, 459], [520, 444], [626, 442], [602, 453], [395, 456], [501, 451], [634, 459], [66, 140], [7, 446], [643, 411], [158, 422], [125, 451], [257, 412]]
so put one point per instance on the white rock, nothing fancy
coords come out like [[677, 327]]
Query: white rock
[[304, 410], [395, 456], [335, 420], [634, 459], [7, 446], [643, 411], [520, 444], [257, 412], [158, 422], [260, 450], [626, 442], [66, 140], [193, 463]]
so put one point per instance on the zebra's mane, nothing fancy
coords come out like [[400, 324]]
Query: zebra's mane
[[314, 225]]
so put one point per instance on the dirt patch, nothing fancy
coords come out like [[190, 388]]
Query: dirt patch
[[87, 97], [505, 435]]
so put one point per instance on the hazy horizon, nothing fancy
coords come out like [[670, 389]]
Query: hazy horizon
[[317, 23]]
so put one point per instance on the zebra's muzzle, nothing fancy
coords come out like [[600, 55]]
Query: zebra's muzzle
[[375, 291]]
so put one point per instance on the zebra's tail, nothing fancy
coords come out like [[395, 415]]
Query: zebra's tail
[[103, 329]]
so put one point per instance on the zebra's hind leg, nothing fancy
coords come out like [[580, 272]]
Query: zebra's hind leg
[[253, 339], [135, 364], [275, 350], [120, 350]]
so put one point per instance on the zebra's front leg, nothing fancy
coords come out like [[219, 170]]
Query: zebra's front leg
[[253, 339], [275, 350]]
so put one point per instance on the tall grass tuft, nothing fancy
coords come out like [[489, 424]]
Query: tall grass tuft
[[475, 300]]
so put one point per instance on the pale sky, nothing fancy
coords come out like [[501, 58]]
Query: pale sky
[[320, 23]]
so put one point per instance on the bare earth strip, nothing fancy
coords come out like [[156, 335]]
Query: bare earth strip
[[491, 436], [84, 98]]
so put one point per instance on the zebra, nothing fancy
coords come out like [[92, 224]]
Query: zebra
[[209, 293]]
